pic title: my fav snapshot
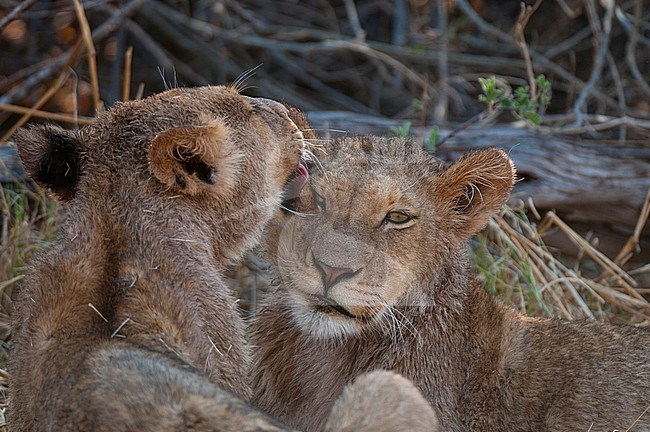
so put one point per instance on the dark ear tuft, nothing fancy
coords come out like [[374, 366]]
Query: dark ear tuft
[[193, 165], [195, 159], [52, 158]]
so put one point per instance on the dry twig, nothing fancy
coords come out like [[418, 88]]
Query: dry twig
[[520, 26], [59, 117], [353, 19], [442, 102], [126, 83], [90, 51], [603, 37], [52, 90], [20, 8], [630, 49], [633, 242]]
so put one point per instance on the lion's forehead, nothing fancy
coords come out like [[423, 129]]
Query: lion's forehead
[[374, 187]]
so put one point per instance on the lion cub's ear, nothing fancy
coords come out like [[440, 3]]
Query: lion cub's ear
[[475, 187], [52, 158], [195, 159]]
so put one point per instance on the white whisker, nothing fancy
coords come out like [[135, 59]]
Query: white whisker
[[296, 212], [326, 130], [237, 84], [408, 324]]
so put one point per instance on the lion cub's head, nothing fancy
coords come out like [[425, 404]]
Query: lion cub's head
[[205, 156], [375, 226]]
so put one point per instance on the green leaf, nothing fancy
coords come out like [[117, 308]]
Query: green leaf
[[523, 90], [533, 117], [520, 102], [432, 139], [400, 131]]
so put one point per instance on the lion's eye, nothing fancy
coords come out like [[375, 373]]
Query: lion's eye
[[398, 217], [320, 201]]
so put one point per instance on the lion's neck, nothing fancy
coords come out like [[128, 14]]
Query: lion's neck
[[219, 241], [160, 265], [306, 373]]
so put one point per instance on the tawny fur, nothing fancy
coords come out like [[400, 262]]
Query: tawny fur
[[125, 322], [357, 292], [381, 401]]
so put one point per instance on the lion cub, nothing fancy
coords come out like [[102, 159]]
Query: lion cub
[[373, 274], [125, 323]]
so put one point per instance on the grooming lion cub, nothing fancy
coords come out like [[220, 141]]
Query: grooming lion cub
[[125, 323], [373, 274]]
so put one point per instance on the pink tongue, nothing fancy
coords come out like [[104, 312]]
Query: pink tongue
[[297, 183], [302, 178]]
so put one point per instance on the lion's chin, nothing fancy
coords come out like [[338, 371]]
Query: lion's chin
[[327, 322], [331, 326]]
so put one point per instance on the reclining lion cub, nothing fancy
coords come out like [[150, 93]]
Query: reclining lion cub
[[373, 274], [118, 324]]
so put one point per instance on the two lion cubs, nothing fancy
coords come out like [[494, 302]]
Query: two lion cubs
[[125, 323]]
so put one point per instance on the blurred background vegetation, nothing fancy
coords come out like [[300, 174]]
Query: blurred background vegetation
[[373, 57], [560, 84]]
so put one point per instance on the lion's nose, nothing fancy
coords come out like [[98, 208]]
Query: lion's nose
[[332, 275]]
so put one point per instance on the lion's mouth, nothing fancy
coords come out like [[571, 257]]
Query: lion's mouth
[[294, 186], [330, 306]]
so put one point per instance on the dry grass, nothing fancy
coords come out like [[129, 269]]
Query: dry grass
[[516, 265], [29, 223]]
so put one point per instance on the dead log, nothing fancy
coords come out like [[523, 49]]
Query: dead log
[[594, 186]]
